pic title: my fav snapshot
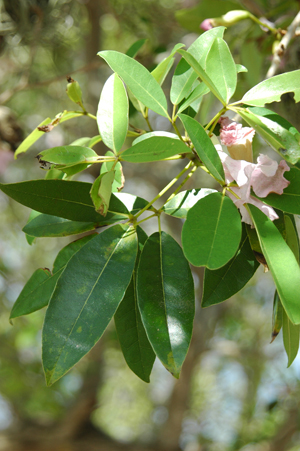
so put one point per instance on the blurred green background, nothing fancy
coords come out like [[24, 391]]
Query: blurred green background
[[235, 392]]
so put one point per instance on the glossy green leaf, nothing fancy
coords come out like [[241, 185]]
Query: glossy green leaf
[[240, 68], [67, 155], [47, 225], [135, 47], [203, 146], [155, 148], [32, 138], [198, 92], [39, 288], [164, 67], [223, 283], [165, 291], [211, 233], [276, 135], [134, 342], [281, 262], [184, 75], [101, 191], [66, 199], [119, 180], [277, 316], [200, 71], [112, 114], [271, 90], [180, 204], [138, 79], [86, 297], [289, 201], [224, 77]]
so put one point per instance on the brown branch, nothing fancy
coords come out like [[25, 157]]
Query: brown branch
[[282, 46]]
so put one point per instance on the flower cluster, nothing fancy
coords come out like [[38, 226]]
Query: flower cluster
[[264, 177]]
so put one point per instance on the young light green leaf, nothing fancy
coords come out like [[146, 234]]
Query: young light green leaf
[[271, 130], [112, 114], [281, 262], [203, 146], [225, 77], [39, 288], [212, 232], [86, 297], [135, 47], [271, 90], [119, 180], [155, 148], [134, 342], [66, 199], [32, 138], [223, 283], [151, 134], [180, 204], [166, 299], [67, 155], [240, 68], [289, 201], [203, 75], [101, 191], [277, 316], [52, 226], [198, 92], [184, 75], [164, 67], [138, 79]]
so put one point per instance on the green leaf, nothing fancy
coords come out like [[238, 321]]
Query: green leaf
[[112, 114], [203, 146], [134, 342], [32, 138], [165, 293], [212, 232], [277, 316], [292, 236], [33, 214], [198, 92], [155, 148], [164, 67], [271, 130], [53, 226], [132, 203], [271, 90], [184, 75], [67, 155], [291, 335], [289, 201], [203, 75], [101, 191], [240, 68], [138, 79], [119, 179], [223, 283], [180, 204], [281, 262], [135, 47], [86, 297], [151, 134], [39, 288], [225, 77], [66, 199]]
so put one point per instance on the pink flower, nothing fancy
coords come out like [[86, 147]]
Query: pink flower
[[237, 138], [264, 178], [206, 25]]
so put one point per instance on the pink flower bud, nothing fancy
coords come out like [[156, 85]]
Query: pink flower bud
[[237, 138], [206, 25], [228, 19]]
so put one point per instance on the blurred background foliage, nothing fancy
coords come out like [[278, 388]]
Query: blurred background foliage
[[235, 392]]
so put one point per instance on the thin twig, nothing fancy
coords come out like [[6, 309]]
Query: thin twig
[[282, 46]]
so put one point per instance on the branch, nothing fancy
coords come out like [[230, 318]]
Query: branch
[[282, 46]]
